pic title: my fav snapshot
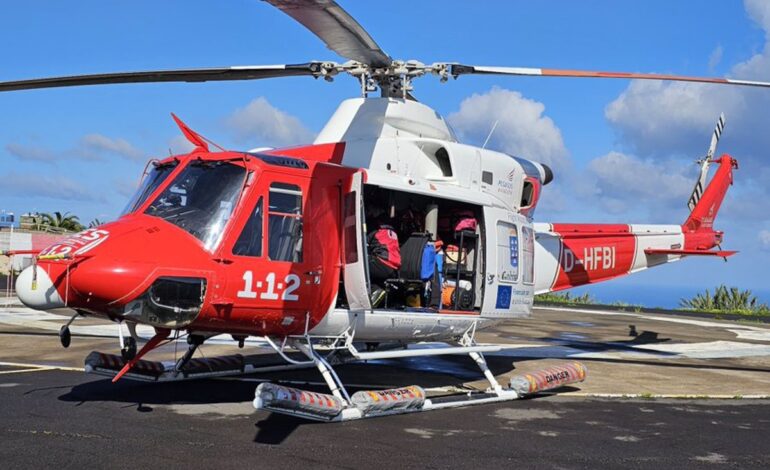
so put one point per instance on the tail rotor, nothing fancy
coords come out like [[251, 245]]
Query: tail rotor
[[704, 163]]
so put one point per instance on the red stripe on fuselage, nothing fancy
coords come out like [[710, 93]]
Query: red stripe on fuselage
[[592, 253]]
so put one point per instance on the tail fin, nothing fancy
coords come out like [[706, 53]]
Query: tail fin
[[705, 210], [705, 200]]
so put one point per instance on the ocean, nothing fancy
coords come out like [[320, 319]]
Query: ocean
[[646, 295]]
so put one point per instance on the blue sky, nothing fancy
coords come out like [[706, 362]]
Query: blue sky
[[623, 150]]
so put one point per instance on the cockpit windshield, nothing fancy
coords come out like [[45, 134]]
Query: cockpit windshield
[[201, 199], [150, 183]]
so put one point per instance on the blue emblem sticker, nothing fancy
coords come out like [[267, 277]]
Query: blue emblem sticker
[[503, 297], [513, 243]]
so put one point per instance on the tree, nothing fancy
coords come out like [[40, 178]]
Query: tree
[[67, 222], [95, 223]]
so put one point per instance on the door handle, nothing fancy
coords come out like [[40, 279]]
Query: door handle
[[316, 275]]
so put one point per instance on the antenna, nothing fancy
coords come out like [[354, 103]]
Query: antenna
[[494, 126]]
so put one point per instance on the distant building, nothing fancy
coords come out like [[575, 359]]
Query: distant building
[[24, 233], [7, 220], [30, 221]]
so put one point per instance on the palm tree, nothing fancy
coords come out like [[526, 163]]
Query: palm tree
[[66, 222], [95, 223]]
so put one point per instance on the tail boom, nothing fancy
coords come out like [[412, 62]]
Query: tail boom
[[571, 255]]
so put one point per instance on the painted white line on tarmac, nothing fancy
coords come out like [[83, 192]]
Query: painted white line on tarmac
[[702, 350], [675, 396], [731, 326], [36, 320], [21, 371], [39, 367]]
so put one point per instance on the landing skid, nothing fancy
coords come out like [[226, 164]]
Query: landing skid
[[110, 365], [339, 405], [440, 403]]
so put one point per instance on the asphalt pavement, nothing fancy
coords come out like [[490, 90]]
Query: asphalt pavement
[[631, 412]]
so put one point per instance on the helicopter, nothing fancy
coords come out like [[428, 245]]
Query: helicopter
[[275, 243]]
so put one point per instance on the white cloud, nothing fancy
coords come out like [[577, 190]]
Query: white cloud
[[622, 182], [654, 117], [716, 57], [59, 187], [260, 123], [96, 146], [659, 117], [672, 118], [180, 145], [759, 11], [764, 239], [30, 152], [522, 129]]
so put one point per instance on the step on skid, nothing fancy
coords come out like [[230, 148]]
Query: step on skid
[[155, 371]]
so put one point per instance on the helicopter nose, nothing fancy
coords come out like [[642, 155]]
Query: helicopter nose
[[36, 290]]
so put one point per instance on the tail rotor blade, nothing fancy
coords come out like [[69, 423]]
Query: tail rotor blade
[[700, 184]]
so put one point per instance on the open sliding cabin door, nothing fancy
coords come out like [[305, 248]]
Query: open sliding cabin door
[[355, 275]]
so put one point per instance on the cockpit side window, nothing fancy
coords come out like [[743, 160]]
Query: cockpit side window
[[285, 223], [250, 240], [150, 183]]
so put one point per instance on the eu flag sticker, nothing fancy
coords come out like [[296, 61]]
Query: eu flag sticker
[[503, 297]]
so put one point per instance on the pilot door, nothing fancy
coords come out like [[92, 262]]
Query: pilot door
[[273, 270], [510, 242]]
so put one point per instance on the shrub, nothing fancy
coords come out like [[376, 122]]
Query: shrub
[[726, 299], [565, 298]]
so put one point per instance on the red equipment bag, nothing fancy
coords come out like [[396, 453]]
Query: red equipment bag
[[459, 220]]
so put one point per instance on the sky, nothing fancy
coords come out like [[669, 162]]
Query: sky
[[622, 151]]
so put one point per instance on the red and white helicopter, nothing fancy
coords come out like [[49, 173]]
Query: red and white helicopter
[[272, 243]]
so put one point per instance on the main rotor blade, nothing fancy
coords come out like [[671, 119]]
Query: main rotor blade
[[458, 69], [336, 28], [189, 75]]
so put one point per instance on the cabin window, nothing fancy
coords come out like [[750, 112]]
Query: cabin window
[[527, 192], [442, 157], [507, 252], [528, 255], [487, 178], [250, 241], [351, 232], [285, 223]]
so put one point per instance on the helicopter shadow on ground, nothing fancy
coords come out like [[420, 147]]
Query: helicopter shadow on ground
[[275, 428], [427, 372]]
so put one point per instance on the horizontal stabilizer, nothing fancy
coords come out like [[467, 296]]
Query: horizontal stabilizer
[[721, 254]]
